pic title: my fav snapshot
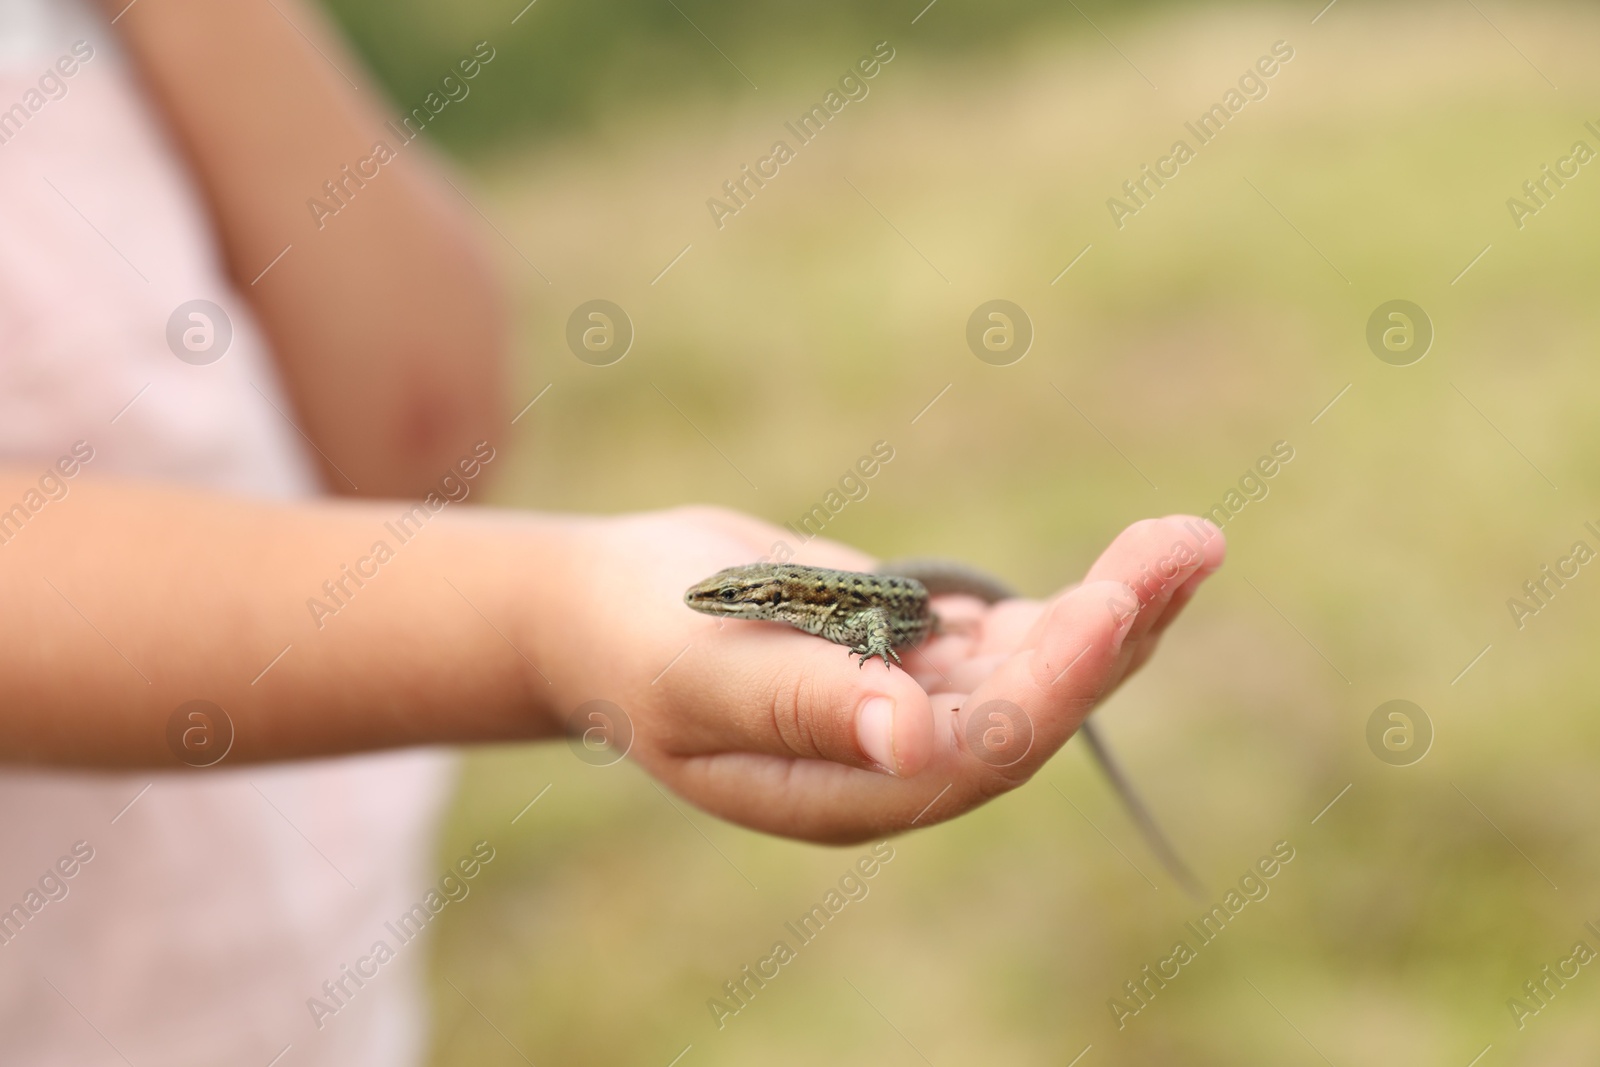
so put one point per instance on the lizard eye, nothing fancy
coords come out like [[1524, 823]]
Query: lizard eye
[[728, 594]]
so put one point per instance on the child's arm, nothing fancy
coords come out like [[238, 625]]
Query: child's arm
[[387, 319], [124, 602]]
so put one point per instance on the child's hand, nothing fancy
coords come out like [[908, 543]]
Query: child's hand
[[782, 731]]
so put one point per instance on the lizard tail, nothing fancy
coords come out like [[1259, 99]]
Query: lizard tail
[[1146, 822], [947, 578]]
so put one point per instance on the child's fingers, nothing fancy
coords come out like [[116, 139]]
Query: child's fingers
[[769, 690], [1213, 549], [1158, 557], [996, 739], [1033, 702]]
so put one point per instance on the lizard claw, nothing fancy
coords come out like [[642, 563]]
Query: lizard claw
[[884, 654]]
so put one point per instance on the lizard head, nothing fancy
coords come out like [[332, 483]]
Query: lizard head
[[748, 591]]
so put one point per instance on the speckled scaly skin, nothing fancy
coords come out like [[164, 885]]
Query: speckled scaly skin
[[871, 614]]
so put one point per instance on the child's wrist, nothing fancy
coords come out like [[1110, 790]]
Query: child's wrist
[[526, 574]]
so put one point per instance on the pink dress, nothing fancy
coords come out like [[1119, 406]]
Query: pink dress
[[205, 909]]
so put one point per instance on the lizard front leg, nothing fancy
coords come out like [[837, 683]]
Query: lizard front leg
[[866, 632]]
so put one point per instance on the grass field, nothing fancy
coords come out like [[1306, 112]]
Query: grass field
[[1222, 318]]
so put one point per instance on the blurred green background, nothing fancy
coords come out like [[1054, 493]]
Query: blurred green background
[[1222, 318]]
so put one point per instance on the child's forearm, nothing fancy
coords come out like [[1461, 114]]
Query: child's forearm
[[319, 628], [386, 315]]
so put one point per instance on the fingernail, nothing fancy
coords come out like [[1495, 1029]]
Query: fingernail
[[875, 732], [1126, 612]]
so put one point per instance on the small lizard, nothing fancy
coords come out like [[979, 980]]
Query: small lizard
[[871, 614], [875, 614]]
